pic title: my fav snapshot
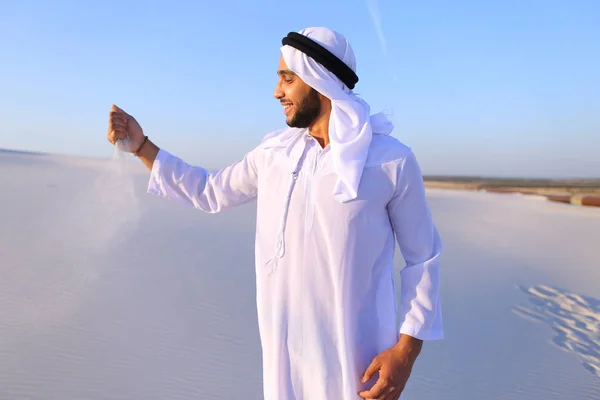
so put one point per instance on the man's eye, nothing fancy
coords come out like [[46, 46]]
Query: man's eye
[[288, 80]]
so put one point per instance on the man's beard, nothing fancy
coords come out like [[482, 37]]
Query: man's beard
[[307, 111]]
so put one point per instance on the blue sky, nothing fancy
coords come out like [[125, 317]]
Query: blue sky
[[502, 88]]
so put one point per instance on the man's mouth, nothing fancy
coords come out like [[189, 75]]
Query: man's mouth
[[286, 107]]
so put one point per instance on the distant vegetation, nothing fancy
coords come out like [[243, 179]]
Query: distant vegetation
[[518, 182], [546, 186]]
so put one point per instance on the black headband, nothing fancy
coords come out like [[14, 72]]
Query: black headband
[[323, 56]]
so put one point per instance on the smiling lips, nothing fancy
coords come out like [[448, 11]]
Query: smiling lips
[[286, 107]]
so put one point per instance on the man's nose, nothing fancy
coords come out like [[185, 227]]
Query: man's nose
[[278, 92]]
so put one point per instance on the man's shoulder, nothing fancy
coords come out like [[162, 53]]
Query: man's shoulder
[[281, 138], [386, 149], [279, 147]]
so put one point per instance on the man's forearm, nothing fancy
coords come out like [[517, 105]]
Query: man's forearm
[[148, 153]]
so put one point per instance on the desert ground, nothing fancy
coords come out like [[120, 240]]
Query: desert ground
[[109, 293]]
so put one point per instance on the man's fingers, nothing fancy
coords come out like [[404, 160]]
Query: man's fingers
[[375, 392], [113, 137], [117, 115], [117, 123], [392, 394], [116, 134], [371, 369], [115, 108], [119, 110]]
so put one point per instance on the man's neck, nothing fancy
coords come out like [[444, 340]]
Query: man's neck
[[320, 129]]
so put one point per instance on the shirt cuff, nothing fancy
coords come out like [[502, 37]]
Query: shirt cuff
[[421, 332], [154, 183]]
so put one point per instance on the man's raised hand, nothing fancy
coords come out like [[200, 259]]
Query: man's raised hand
[[122, 125]]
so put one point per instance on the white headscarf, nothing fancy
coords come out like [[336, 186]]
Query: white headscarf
[[351, 124]]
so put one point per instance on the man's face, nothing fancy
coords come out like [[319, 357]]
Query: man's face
[[301, 103]]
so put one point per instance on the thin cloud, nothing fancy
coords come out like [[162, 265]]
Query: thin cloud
[[373, 6]]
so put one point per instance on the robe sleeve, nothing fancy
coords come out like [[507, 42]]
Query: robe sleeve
[[209, 191], [420, 245]]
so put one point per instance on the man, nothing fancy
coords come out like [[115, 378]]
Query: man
[[334, 192]]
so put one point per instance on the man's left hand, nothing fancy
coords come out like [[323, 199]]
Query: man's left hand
[[394, 366]]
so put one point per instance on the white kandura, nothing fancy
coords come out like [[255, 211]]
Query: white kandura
[[325, 244]]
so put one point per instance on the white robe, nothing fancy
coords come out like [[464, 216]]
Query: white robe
[[327, 305]]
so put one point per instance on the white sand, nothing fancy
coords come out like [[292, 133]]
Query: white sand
[[109, 293]]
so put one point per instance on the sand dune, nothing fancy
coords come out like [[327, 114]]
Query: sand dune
[[109, 293], [575, 320]]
